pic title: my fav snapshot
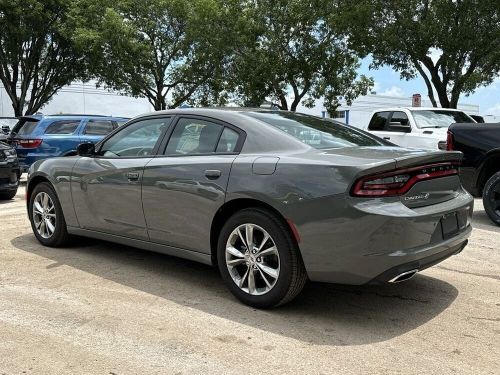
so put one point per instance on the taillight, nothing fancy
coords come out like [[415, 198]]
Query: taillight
[[399, 182], [449, 141], [29, 143]]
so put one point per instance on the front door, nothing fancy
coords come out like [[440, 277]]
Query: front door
[[106, 188], [183, 190]]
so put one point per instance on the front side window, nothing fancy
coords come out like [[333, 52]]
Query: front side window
[[137, 139], [62, 127], [439, 119], [378, 121], [194, 136], [315, 131], [98, 127]]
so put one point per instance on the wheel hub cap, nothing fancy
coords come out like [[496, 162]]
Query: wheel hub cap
[[254, 271]]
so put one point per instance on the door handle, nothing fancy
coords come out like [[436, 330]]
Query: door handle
[[387, 138], [212, 174], [133, 176]]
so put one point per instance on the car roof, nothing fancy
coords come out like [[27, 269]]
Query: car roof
[[71, 117]]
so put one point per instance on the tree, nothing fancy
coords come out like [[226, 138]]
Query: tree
[[294, 46], [165, 50], [37, 56], [453, 45]]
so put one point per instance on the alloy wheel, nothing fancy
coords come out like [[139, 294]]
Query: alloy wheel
[[44, 215], [252, 259]]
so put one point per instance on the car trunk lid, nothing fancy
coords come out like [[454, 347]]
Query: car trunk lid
[[418, 178]]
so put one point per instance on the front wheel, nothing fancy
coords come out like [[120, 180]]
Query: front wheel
[[46, 216], [491, 198], [259, 260]]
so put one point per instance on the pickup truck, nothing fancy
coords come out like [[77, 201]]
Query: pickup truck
[[416, 127], [480, 170]]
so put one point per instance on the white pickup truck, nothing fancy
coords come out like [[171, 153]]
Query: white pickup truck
[[415, 127]]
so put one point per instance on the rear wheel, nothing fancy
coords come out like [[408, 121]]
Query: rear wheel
[[46, 216], [7, 195], [259, 260], [491, 198]]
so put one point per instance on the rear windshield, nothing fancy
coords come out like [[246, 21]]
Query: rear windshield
[[439, 119], [25, 127], [315, 131]]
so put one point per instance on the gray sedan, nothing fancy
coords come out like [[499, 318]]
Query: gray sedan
[[272, 198]]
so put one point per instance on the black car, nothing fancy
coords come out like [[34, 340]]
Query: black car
[[480, 170], [9, 171]]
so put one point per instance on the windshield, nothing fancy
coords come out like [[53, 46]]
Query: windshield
[[439, 119], [316, 132], [25, 127]]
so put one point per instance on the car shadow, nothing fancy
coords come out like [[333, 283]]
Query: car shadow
[[323, 314]]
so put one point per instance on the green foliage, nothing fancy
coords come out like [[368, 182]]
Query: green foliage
[[295, 45], [453, 44], [169, 51], [37, 56]]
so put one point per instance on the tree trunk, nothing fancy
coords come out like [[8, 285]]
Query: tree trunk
[[18, 108]]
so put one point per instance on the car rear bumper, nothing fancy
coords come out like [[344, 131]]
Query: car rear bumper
[[374, 241]]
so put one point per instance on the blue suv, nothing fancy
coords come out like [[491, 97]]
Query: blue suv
[[39, 137]]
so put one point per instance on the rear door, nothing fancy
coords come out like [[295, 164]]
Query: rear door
[[60, 137], [398, 129], [106, 188], [378, 125], [183, 190]]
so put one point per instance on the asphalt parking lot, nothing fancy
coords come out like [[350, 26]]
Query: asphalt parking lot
[[101, 308]]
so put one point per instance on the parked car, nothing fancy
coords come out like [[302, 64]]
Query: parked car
[[273, 198], [39, 137], [415, 127], [9, 172], [6, 125], [480, 170]]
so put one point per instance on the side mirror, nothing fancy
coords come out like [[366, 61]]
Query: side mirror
[[85, 149], [398, 127]]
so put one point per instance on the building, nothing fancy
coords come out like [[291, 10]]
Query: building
[[85, 98]]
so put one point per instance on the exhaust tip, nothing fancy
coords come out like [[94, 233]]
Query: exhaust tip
[[403, 276]]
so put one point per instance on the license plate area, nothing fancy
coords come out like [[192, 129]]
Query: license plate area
[[449, 225]]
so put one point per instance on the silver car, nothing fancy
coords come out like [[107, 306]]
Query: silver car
[[272, 198]]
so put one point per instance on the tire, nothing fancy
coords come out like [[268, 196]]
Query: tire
[[7, 195], [283, 259], [59, 236], [491, 198]]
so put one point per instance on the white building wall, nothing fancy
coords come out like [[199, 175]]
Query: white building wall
[[85, 99]]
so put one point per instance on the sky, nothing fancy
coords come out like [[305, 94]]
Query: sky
[[388, 82]]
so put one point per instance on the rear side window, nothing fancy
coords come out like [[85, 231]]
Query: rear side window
[[378, 121], [24, 127], [194, 136], [62, 127], [401, 118], [99, 127], [228, 141]]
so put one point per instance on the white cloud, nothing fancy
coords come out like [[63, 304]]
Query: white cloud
[[393, 91]]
